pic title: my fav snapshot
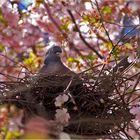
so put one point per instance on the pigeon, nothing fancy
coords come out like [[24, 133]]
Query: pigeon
[[56, 78], [53, 64], [53, 79]]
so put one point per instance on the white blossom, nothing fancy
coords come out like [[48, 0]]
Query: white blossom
[[2, 2], [12, 126], [60, 100], [62, 116], [64, 136]]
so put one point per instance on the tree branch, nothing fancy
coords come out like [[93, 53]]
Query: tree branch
[[82, 38]]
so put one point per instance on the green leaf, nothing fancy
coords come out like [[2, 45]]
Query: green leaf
[[85, 17], [89, 18], [12, 134], [128, 45], [116, 53], [16, 133], [65, 26], [90, 56], [108, 45], [1, 47], [71, 59], [106, 9], [93, 20], [2, 20], [8, 135], [30, 59], [3, 129]]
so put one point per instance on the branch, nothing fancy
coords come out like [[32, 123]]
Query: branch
[[9, 76], [82, 38], [21, 65], [102, 22], [123, 38], [122, 65], [134, 87], [107, 33]]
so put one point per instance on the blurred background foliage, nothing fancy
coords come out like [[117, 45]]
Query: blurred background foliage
[[91, 32]]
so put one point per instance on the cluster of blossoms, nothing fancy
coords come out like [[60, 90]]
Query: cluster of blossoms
[[62, 116]]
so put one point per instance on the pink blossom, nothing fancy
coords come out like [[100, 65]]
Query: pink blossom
[[60, 100], [62, 116], [10, 14]]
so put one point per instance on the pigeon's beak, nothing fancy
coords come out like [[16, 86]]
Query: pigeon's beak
[[58, 53]]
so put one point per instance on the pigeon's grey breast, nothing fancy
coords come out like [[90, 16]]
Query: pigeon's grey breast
[[55, 69]]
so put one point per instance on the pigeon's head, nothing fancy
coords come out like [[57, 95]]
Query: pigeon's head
[[54, 50], [52, 55]]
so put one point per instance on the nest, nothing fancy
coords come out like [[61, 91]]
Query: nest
[[99, 103]]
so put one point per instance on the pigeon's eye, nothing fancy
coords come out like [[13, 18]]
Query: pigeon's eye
[[57, 50], [57, 53]]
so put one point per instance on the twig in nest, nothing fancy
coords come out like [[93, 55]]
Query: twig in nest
[[99, 75], [9, 76], [67, 88], [68, 93], [134, 87]]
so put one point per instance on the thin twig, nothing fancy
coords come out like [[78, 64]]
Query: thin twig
[[107, 33], [122, 39], [99, 74], [21, 65], [81, 36], [102, 22], [68, 86]]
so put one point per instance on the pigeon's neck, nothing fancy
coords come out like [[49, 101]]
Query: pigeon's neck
[[52, 60]]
